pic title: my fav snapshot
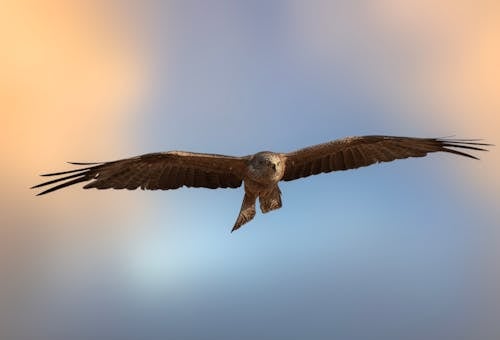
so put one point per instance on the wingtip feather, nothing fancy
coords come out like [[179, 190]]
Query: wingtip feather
[[77, 175], [450, 145], [83, 163], [63, 185]]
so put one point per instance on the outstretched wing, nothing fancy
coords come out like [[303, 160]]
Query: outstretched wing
[[164, 170], [355, 152]]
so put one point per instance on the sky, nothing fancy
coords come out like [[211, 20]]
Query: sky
[[406, 249]]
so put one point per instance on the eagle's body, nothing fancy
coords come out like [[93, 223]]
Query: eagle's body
[[265, 169], [260, 173]]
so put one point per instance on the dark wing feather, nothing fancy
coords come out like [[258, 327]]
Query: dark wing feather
[[165, 170], [355, 152]]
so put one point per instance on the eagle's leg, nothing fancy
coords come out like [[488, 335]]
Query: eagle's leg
[[270, 200], [247, 211]]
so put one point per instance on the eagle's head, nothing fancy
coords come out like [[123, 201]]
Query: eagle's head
[[266, 167]]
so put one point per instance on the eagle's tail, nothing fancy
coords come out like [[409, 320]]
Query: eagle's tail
[[247, 211]]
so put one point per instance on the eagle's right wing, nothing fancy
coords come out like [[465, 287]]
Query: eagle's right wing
[[164, 170]]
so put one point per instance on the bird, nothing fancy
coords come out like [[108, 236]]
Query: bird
[[259, 173]]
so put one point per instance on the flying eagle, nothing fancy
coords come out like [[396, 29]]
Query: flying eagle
[[260, 172]]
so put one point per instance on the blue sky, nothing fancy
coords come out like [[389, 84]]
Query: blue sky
[[400, 250]]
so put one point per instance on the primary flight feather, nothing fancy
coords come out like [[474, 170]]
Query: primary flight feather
[[259, 172]]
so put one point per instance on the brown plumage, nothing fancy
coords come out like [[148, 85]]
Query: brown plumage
[[260, 172]]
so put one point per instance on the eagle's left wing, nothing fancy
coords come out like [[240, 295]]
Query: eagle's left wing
[[355, 152], [163, 170]]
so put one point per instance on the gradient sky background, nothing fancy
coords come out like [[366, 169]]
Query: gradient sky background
[[405, 250]]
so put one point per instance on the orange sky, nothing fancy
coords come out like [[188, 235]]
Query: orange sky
[[70, 82], [457, 79], [71, 71], [73, 78], [465, 89]]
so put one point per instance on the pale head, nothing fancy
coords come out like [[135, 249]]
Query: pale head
[[266, 167]]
